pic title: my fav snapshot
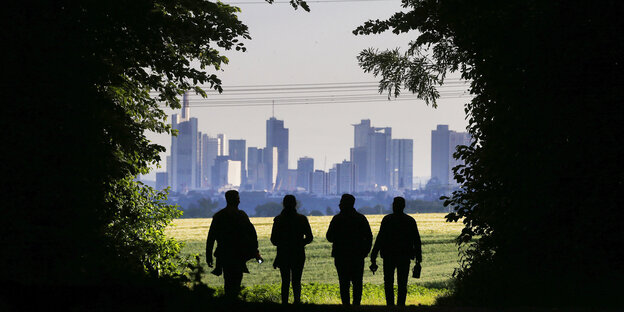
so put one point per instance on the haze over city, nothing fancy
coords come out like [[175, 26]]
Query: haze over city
[[295, 48]]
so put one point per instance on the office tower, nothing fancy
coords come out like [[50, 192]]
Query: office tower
[[318, 182], [226, 173], [237, 150], [184, 153], [289, 181], [277, 136], [345, 180], [359, 154], [443, 144], [223, 145], [370, 156], [401, 164], [169, 170], [305, 166], [440, 154], [378, 158], [270, 158], [210, 151], [254, 167], [332, 180], [456, 139], [161, 181]]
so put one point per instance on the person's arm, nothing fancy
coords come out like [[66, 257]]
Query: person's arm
[[307, 231], [368, 236], [378, 241], [331, 231], [212, 235], [417, 244], [275, 233]]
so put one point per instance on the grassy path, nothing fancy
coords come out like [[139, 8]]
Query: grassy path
[[319, 277]]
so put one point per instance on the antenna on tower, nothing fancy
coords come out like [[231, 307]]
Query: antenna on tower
[[325, 164]]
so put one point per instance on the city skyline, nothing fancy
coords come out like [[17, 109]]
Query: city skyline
[[377, 161]]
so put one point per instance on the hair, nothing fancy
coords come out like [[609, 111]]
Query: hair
[[398, 204], [231, 197], [348, 200], [289, 203]]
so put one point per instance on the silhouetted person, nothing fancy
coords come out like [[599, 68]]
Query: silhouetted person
[[291, 232], [236, 240], [399, 242], [352, 238]]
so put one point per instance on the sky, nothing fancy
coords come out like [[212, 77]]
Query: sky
[[296, 47]]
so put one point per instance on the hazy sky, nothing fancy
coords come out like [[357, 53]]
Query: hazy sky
[[298, 47]]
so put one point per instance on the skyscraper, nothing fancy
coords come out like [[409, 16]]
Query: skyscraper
[[277, 136], [184, 151], [305, 166], [319, 182], [345, 180], [401, 164], [255, 177], [223, 145], [237, 150], [443, 144], [359, 154], [378, 157], [210, 151]]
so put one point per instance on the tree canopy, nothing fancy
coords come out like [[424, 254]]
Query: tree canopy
[[83, 82], [540, 188]]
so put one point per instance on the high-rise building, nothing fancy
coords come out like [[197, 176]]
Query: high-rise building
[[184, 150], [209, 151], [370, 156], [345, 179], [456, 139], [305, 166], [277, 136], [332, 179], [319, 182], [223, 145], [378, 158], [401, 164], [237, 150], [359, 154], [254, 167], [443, 144], [161, 181]]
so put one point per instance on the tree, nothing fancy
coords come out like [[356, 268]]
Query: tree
[[203, 208], [84, 81], [545, 76], [270, 209]]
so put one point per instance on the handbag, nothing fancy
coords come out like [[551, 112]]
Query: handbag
[[416, 270]]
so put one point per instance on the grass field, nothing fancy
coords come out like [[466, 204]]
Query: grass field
[[320, 280]]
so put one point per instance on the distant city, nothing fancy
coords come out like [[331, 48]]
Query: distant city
[[377, 162]]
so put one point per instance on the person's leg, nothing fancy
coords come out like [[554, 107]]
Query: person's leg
[[285, 272], [297, 270], [402, 274], [342, 267], [232, 276], [388, 270], [358, 274]]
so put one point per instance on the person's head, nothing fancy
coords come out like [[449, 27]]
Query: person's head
[[232, 198], [347, 201], [289, 203], [398, 204]]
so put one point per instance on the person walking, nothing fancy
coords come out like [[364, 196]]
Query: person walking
[[352, 238], [237, 242], [398, 242], [290, 233]]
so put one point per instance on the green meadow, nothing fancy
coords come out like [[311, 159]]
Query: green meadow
[[320, 281]]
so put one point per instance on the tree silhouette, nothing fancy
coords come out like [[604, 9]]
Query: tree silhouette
[[540, 188]]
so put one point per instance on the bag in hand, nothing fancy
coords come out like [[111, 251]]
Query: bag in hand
[[416, 271]]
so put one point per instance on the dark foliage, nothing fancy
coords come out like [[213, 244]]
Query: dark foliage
[[82, 82], [540, 196], [269, 209]]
